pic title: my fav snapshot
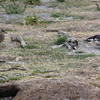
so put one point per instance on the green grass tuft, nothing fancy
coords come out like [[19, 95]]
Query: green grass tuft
[[60, 40], [57, 15], [30, 20]]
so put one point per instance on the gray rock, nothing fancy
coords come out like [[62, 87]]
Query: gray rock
[[18, 38]]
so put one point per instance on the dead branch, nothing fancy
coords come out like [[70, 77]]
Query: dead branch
[[10, 69]]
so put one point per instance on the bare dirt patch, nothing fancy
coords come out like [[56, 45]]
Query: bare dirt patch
[[57, 89]]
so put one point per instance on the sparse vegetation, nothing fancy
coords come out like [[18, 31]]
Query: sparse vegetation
[[32, 46], [82, 56], [34, 2], [3, 81], [60, 40], [35, 20], [30, 20], [76, 3], [57, 15], [40, 71], [13, 6]]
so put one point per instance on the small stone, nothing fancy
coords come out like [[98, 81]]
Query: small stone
[[57, 46]]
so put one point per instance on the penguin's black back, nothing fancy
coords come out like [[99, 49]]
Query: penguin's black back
[[97, 37]]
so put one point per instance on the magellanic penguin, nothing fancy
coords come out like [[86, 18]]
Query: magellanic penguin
[[95, 38]]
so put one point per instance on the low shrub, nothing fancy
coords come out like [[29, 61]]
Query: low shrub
[[30, 20], [60, 40], [13, 6], [12, 9]]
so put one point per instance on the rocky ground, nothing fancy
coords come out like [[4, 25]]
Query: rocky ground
[[50, 72]]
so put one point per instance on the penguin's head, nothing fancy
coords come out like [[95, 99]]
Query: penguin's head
[[73, 43]]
